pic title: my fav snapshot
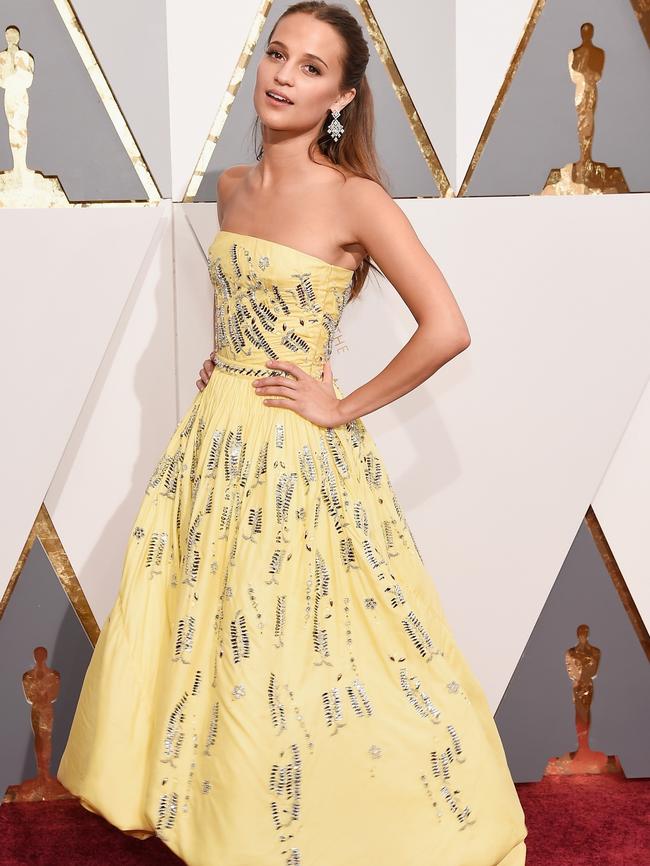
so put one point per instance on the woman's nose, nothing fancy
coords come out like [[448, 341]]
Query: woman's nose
[[284, 75]]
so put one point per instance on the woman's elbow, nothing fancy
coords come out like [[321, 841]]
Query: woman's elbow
[[464, 340], [460, 341]]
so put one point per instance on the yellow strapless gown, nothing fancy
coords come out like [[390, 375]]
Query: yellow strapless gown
[[276, 683]]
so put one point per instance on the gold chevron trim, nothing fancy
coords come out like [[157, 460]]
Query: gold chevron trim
[[533, 16], [44, 530], [419, 132], [103, 88], [228, 99], [642, 12], [618, 580]]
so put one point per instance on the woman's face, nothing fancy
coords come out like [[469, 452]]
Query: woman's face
[[302, 63]]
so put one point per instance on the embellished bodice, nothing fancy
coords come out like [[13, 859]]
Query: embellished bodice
[[273, 301]]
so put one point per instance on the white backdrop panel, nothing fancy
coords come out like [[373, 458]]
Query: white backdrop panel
[[126, 420], [64, 290]]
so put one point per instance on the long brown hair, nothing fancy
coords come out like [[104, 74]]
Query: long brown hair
[[355, 150]]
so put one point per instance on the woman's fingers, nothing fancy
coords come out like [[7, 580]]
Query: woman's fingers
[[281, 390], [205, 372], [266, 382]]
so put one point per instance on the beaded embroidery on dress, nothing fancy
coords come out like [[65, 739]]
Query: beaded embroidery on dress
[[276, 683]]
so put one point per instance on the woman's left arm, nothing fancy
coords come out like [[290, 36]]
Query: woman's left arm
[[383, 229], [370, 218]]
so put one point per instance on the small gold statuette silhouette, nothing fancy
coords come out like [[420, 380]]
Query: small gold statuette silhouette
[[22, 186], [582, 662], [585, 177], [41, 687]]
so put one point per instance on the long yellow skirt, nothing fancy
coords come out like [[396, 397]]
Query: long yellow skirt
[[276, 682]]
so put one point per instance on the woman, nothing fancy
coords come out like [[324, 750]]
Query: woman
[[276, 682]]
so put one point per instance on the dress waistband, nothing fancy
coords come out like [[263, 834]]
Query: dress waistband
[[231, 366]]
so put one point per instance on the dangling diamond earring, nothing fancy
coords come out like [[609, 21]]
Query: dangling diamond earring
[[335, 128]]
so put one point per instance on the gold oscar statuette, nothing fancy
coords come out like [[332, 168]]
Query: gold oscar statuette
[[585, 177], [22, 186], [41, 687], [582, 661]]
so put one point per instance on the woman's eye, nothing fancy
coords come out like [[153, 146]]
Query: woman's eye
[[271, 52]]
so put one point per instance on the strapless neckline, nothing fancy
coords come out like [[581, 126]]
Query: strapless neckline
[[285, 247]]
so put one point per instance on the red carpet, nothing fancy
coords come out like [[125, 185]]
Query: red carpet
[[587, 821], [580, 821]]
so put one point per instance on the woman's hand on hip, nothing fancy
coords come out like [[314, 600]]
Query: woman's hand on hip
[[314, 399], [205, 372]]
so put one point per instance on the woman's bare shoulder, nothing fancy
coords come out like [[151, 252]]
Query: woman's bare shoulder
[[227, 181], [370, 190], [236, 171], [231, 176], [363, 201]]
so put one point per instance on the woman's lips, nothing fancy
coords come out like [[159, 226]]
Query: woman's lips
[[274, 101]]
